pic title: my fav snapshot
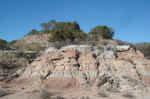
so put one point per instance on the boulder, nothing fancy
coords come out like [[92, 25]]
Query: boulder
[[50, 49], [121, 48]]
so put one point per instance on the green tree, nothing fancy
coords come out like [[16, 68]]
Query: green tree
[[103, 31], [33, 32], [66, 30], [3, 44], [12, 42], [46, 27], [51, 23]]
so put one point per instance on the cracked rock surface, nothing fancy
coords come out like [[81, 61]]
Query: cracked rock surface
[[83, 72], [77, 67]]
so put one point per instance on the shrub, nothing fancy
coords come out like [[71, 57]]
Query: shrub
[[3, 44], [46, 27], [12, 42], [66, 30], [101, 31], [33, 32], [10, 63]]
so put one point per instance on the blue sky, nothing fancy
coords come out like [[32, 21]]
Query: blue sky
[[129, 18]]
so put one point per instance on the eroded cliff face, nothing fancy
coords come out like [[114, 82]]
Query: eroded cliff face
[[82, 67]]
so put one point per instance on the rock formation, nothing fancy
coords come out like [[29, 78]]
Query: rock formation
[[91, 71], [81, 66]]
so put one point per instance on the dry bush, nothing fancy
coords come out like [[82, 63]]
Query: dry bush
[[3, 44], [9, 64]]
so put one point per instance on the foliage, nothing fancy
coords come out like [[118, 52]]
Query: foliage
[[62, 33], [3, 44], [46, 27], [66, 30], [33, 32], [12, 42], [101, 31]]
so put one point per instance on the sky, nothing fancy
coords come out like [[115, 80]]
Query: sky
[[129, 18]]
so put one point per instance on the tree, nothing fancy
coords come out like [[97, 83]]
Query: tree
[[103, 31], [3, 44], [12, 42], [76, 25], [33, 32], [66, 30], [45, 27], [48, 26], [51, 23]]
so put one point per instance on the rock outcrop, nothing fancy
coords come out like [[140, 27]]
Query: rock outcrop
[[82, 66], [123, 48], [78, 72]]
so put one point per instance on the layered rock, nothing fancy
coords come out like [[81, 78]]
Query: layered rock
[[79, 66]]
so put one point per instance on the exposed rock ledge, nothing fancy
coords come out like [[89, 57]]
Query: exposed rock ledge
[[83, 65]]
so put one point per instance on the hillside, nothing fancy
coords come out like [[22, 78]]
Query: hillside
[[97, 70], [32, 42], [63, 62]]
